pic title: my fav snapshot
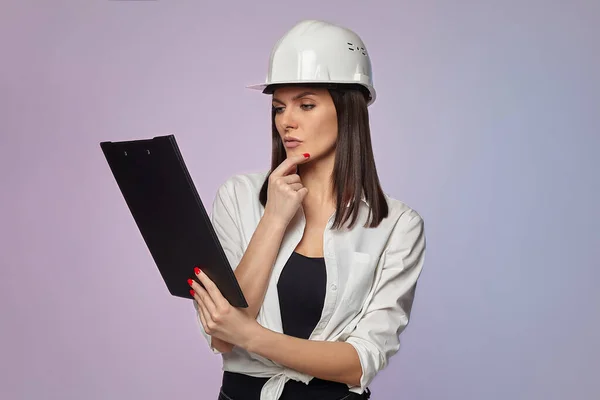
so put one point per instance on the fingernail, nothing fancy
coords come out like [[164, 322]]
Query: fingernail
[[192, 292], [306, 155], [196, 270], [190, 282]]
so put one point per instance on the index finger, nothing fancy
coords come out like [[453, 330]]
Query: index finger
[[212, 289], [289, 163]]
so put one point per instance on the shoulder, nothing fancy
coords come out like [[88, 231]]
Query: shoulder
[[401, 215], [242, 187]]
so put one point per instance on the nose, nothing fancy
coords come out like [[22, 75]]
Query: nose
[[288, 120]]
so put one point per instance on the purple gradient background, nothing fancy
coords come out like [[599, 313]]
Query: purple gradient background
[[486, 122]]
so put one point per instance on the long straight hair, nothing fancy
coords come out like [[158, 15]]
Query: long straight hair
[[354, 171]]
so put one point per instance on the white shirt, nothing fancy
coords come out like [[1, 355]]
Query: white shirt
[[371, 280]]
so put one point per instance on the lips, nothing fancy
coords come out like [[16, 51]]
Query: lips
[[291, 142]]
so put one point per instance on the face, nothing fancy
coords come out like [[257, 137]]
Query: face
[[306, 120]]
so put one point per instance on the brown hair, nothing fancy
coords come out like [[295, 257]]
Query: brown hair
[[354, 170]]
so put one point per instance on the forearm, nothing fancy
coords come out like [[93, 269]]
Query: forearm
[[332, 361], [254, 270]]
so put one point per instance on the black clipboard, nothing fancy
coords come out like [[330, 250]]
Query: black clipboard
[[170, 215]]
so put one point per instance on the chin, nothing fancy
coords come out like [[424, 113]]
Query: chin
[[297, 150]]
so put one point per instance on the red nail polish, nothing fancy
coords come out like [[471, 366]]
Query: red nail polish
[[192, 292], [306, 155], [196, 270], [190, 282]]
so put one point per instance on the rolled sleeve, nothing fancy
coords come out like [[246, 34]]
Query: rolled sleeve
[[376, 337], [224, 220]]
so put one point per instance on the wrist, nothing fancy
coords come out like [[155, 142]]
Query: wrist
[[273, 223], [253, 337]]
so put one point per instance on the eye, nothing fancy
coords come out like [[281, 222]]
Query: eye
[[278, 110], [307, 106]]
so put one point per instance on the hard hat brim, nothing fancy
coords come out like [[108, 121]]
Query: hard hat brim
[[263, 86]]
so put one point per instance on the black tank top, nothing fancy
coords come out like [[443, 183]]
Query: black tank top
[[301, 288]]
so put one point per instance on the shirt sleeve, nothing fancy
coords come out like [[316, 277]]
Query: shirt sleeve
[[224, 220], [376, 337]]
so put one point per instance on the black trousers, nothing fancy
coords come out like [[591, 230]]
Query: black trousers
[[350, 396]]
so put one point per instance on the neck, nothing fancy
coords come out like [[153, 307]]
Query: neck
[[316, 177]]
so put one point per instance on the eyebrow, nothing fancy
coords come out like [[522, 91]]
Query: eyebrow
[[296, 97]]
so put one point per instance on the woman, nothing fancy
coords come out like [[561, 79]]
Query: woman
[[328, 262]]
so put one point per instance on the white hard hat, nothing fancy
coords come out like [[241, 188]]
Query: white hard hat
[[320, 52]]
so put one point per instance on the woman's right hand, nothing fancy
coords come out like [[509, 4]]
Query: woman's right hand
[[285, 192]]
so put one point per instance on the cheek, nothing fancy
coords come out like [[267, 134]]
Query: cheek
[[323, 135], [329, 129]]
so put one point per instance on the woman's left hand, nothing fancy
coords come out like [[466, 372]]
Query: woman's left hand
[[219, 318]]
